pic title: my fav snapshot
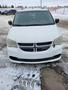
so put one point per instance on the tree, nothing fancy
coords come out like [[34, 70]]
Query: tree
[[12, 6], [0, 6]]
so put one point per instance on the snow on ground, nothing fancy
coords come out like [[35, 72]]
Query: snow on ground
[[61, 13], [60, 16], [24, 76]]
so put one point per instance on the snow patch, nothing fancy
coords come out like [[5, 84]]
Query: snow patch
[[14, 78]]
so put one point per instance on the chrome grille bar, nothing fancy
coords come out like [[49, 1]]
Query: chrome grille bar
[[34, 47]]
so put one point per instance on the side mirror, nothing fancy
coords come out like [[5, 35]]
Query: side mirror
[[10, 22], [56, 20]]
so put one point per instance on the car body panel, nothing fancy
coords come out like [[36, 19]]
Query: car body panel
[[34, 33]]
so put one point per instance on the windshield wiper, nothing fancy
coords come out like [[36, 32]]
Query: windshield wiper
[[16, 25], [26, 25], [37, 24], [32, 24]]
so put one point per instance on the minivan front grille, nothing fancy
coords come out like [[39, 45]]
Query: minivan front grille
[[34, 47]]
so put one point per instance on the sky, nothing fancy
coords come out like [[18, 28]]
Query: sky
[[33, 2]]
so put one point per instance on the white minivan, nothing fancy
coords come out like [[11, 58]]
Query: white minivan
[[34, 37]]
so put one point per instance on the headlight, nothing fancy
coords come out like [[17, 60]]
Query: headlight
[[58, 41], [11, 43]]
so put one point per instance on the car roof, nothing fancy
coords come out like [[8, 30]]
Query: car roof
[[33, 9]]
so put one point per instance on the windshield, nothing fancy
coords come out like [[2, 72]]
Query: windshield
[[28, 18]]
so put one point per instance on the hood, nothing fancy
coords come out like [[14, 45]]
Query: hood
[[34, 34]]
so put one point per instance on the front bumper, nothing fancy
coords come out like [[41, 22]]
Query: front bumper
[[50, 55]]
